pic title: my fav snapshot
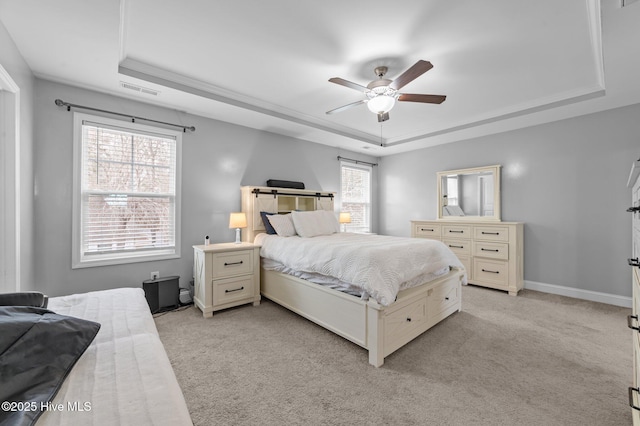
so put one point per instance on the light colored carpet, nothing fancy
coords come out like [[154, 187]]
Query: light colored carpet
[[534, 359]]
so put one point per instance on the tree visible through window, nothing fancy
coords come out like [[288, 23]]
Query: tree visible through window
[[356, 195], [127, 199]]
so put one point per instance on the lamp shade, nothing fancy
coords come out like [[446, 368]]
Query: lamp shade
[[237, 220], [345, 217]]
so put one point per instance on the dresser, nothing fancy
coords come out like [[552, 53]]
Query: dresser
[[225, 275], [491, 252], [634, 263]]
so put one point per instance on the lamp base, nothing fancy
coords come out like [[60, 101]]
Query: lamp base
[[238, 236]]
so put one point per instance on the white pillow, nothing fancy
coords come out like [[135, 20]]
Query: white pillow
[[283, 224], [318, 222]]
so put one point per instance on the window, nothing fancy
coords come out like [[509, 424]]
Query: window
[[126, 192], [356, 195]]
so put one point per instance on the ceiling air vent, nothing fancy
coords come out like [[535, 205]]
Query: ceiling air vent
[[139, 89]]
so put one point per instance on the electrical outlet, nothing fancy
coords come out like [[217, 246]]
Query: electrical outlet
[[155, 275]]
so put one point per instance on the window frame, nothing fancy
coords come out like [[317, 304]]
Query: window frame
[[369, 169], [80, 259]]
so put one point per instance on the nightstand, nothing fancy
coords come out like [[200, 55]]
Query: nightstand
[[226, 275]]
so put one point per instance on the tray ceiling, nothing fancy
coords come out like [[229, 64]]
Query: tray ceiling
[[266, 65]]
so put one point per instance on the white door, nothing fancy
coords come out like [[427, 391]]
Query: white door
[[9, 220]]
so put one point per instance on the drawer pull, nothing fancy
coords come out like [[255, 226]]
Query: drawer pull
[[235, 289], [633, 262], [408, 319], [456, 246], [484, 249], [631, 398], [424, 229], [631, 318], [490, 233], [446, 298], [493, 272], [456, 232], [233, 263], [633, 209]]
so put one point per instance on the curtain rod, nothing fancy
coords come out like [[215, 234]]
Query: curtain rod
[[59, 102], [356, 161]]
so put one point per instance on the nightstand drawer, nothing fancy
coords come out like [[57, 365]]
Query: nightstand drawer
[[232, 263], [232, 289], [493, 250]]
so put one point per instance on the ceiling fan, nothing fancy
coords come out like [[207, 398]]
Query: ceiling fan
[[383, 93]]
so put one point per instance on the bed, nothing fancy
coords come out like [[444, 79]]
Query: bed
[[122, 377], [379, 292]]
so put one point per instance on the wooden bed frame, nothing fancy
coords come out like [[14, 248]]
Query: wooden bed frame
[[380, 329]]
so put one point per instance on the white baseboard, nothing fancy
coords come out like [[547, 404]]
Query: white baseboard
[[577, 293]]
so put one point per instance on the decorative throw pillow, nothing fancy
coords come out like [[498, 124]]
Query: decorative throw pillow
[[314, 223], [267, 224], [282, 224]]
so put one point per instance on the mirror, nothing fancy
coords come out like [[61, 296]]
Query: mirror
[[469, 194]]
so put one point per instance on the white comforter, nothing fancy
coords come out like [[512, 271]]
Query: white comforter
[[378, 265]]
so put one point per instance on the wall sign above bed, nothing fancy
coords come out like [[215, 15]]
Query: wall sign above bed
[[469, 194]]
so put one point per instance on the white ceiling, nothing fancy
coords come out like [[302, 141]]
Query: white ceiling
[[502, 64]]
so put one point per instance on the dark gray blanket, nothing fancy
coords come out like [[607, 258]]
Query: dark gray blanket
[[38, 349]]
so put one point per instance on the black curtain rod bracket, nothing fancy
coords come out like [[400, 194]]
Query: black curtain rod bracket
[[133, 119]]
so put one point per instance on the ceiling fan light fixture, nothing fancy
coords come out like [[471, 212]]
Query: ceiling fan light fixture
[[381, 103]]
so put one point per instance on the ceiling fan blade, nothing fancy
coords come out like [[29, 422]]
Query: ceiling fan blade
[[383, 116], [344, 107], [349, 84], [428, 99], [411, 74]]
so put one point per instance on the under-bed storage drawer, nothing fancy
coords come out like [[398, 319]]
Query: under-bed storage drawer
[[401, 324], [232, 263], [441, 298]]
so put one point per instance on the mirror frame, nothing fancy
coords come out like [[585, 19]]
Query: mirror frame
[[495, 172]]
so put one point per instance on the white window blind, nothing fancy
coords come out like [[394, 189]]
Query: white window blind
[[128, 201], [356, 195]]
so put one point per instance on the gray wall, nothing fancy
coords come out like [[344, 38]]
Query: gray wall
[[565, 180], [12, 61], [217, 159]]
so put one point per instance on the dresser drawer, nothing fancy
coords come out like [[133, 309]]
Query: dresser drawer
[[232, 263], [491, 233], [494, 272], [492, 250], [456, 231], [426, 231], [462, 247], [231, 289]]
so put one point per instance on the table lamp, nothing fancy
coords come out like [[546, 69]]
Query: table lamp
[[237, 220], [344, 218]]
